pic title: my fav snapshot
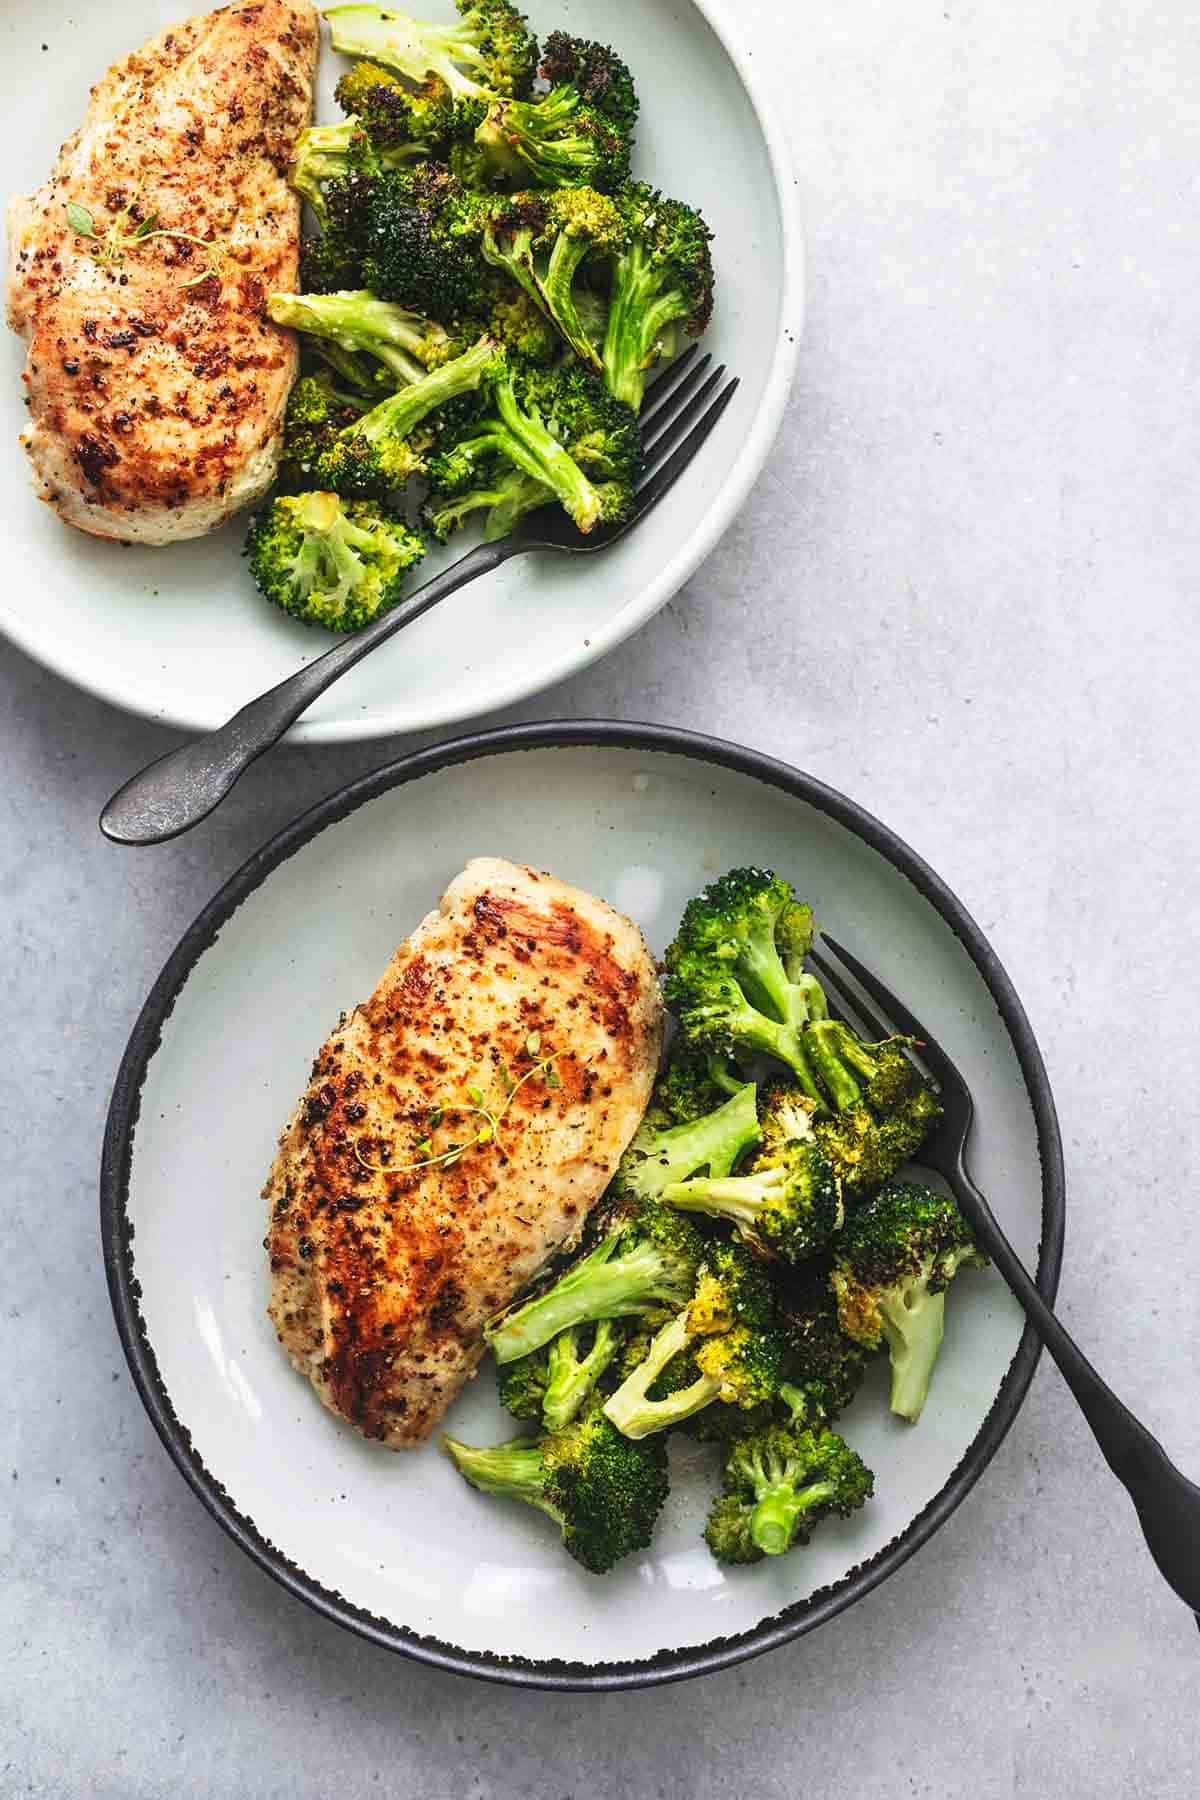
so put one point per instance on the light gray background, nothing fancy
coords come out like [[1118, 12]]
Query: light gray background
[[964, 592]]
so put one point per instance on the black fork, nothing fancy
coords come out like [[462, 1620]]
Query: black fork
[[183, 787], [1168, 1505]]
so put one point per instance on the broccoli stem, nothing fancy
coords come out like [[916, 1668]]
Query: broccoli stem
[[713, 1142], [913, 1326], [631, 1410], [401, 412], [839, 1058], [602, 1286], [775, 1514], [514, 1470], [412, 47], [739, 1198], [535, 450], [357, 321], [573, 1377], [638, 315], [558, 287]]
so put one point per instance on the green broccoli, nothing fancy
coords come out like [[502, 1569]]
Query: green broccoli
[[695, 1083], [377, 454], [645, 1263], [558, 426], [825, 1368], [491, 50], [505, 502], [596, 70], [330, 564], [778, 1485], [661, 1153], [576, 1361], [726, 976], [730, 1339], [579, 134], [325, 154], [317, 410], [602, 1491], [521, 1385], [414, 249], [662, 286], [406, 343], [893, 1264], [786, 1202], [396, 116]]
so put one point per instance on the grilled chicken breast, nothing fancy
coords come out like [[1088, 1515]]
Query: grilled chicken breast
[[156, 386], [522, 1014]]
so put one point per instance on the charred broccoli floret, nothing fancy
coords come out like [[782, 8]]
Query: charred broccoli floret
[[893, 1264], [328, 563], [317, 410], [727, 978], [695, 1083], [730, 1339], [779, 1484], [489, 50], [521, 1385], [414, 250], [825, 1368], [555, 426], [661, 1153], [377, 454], [398, 116], [662, 288], [602, 1491], [596, 70], [786, 1201], [645, 1263], [580, 133], [406, 343]]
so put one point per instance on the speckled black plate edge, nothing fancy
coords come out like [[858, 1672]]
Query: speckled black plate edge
[[124, 1288]]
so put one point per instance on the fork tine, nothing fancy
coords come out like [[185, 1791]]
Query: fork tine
[[665, 477], [850, 1004], [872, 985], [666, 378], [658, 444], [656, 420]]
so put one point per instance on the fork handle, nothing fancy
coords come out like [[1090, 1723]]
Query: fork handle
[[1134, 1455], [183, 787]]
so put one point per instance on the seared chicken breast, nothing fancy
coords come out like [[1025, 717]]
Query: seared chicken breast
[[156, 385], [522, 1021]]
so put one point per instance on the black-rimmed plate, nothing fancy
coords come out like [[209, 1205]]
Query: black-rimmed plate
[[397, 1547]]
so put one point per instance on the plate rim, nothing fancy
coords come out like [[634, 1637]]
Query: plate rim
[[746, 466], [125, 1289]]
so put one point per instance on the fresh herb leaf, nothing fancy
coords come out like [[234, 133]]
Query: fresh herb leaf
[[533, 1043], [80, 219]]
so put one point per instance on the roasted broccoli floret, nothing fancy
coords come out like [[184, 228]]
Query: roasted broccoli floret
[[729, 1339], [414, 249], [396, 116], [786, 1202], [556, 426], [892, 1266], [505, 502], [726, 976], [579, 134], [825, 1368], [328, 153], [661, 1153], [377, 454], [329, 563], [521, 1385], [333, 262], [881, 1130], [662, 288], [779, 1484], [596, 70], [489, 50], [317, 410], [695, 1083], [602, 1491], [406, 343], [645, 1263], [516, 320]]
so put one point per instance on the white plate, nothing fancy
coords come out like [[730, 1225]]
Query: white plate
[[180, 634], [397, 1546]]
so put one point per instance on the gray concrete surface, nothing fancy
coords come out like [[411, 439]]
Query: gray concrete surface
[[965, 592]]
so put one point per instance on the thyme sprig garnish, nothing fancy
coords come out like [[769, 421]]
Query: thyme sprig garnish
[[119, 239], [477, 1106]]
